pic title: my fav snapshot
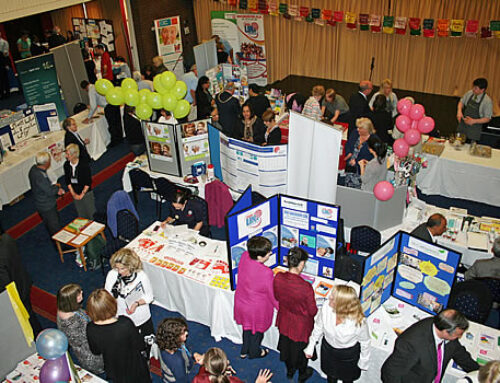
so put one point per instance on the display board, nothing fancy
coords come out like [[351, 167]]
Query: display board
[[214, 146], [161, 148], [38, 78], [243, 202], [261, 219], [95, 31], [205, 56], [221, 74], [287, 222], [425, 273], [47, 118], [313, 227], [193, 144], [169, 43], [415, 271]]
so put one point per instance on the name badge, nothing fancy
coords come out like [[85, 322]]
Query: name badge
[[190, 213], [74, 180]]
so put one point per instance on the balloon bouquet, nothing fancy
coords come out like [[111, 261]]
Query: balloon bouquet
[[169, 94], [413, 122], [52, 344]]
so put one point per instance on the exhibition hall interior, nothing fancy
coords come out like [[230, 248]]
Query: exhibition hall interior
[[250, 191]]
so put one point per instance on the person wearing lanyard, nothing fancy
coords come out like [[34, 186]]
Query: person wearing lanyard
[[474, 109], [189, 212], [72, 137], [79, 181]]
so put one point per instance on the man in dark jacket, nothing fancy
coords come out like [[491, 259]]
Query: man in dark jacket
[[358, 105], [430, 230], [56, 38], [258, 102], [229, 110]]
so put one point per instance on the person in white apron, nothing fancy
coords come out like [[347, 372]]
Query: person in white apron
[[474, 109]]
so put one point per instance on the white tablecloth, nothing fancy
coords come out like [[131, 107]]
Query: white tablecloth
[[457, 174], [16, 165]]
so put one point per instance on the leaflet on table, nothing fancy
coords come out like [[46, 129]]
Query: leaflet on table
[[159, 140], [57, 154], [63, 236], [47, 117], [313, 227]]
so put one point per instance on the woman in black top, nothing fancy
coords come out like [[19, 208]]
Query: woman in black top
[[72, 137], [89, 66], [252, 127], [133, 131], [189, 211], [382, 119], [79, 181], [204, 99], [273, 131], [116, 339]]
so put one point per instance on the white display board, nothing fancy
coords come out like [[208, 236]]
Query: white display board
[[205, 56], [313, 160]]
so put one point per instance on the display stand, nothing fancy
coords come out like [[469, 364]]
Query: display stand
[[415, 271], [287, 222], [205, 56], [360, 207]]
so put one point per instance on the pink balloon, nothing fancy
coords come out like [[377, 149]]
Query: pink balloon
[[412, 137], [414, 124], [417, 111], [383, 190], [400, 147], [426, 125], [403, 123], [404, 106]]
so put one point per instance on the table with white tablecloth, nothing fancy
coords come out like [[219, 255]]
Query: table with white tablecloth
[[213, 306], [14, 169], [458, 174]]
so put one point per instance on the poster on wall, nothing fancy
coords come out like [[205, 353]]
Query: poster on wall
[[194, 141], [251, 50], [224, 26], [95, 31], [169, 43]]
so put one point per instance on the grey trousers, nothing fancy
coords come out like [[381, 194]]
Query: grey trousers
[[51, 220], [86, 206]]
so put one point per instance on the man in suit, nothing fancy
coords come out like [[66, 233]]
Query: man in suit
[[486, 268], [229, 110], [358, 104], [72, 137], [430, 230], [423, 351]]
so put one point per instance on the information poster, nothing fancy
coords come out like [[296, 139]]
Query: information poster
[[95, 31], [425, 274], [47, 118], [38, 78], [263, 167], [195, 140], [378, 275], [159, 141], [25, 127], [169, 43], [252, 51], [224, 26], [313, 227]]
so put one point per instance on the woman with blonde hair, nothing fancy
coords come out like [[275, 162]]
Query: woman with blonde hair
[[345, 349], [72, 320], [356, 150], [391, 99], [116, 339], [489, 373], [131, 287]]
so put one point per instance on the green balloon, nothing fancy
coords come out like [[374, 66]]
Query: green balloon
[[154, 100], [180, 90], [157, 84], [103, 86], [143, 96], [168, 79], [115, 96], [131, 97], [143, 111], [169, 101], [182, 109], [129, 83]]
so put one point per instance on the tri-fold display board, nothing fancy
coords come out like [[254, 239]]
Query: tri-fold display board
[[412, 270], [173, 149], [287, 222]]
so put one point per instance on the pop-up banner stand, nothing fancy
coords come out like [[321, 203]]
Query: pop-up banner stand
[[287, 222], [412, 270]]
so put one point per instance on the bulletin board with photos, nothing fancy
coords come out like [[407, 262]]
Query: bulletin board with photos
[[287, 222], [412, 270], [194, 143], [95, 31]]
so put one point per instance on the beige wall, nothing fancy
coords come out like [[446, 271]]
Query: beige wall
[[12, 9]]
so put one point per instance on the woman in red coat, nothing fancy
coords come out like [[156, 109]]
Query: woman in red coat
[[295, 321]]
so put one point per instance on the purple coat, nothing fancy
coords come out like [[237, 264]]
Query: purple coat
[[254, 298]]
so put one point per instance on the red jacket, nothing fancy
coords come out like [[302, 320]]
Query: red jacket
[[219, 202], [297, 306], [204, 377], [106, 61]]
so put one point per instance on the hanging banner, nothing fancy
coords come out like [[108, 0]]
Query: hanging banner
[[252, 5], [486, 33], [283, 8], [471, 28], [375, 23], [243, 4], [252, 51], [495, 28], [350, 19], [457, 27], [415, 27], [338, 16], [263, 7], [273, 7], [364, 19], [326, 14], [443, 26], [400, 25], [169, 43], [224, 26], [388, 25], [429, 28]]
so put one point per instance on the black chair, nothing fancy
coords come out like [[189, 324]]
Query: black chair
[[141, 182], [166, 191], [494, 287], [472, 299], [348, 267], [365, 239]]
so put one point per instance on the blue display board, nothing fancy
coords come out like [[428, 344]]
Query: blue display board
[[378, 275], [313, 227], [261, 219], [412, 270], [425, 274], [214, 145], [243, 202]]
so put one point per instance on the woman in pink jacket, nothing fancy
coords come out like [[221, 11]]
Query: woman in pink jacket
[[254, 298]]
